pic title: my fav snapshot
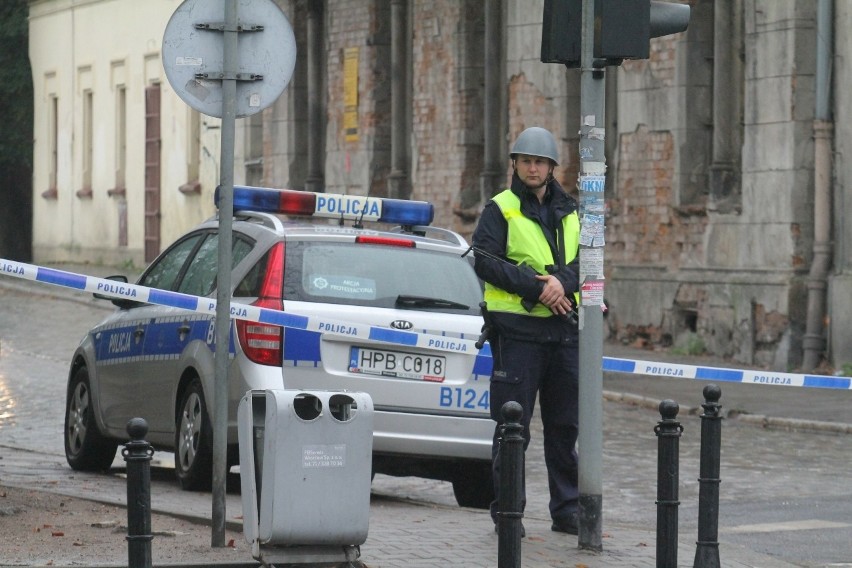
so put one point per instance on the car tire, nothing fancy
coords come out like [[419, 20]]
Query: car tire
[[86, 449], [193, 440], [472, 487]]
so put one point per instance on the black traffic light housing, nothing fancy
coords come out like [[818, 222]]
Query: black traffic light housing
[[561, 33], [623, 29]]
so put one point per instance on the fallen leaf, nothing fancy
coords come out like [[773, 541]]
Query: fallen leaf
[[57, 533], [232, 544]]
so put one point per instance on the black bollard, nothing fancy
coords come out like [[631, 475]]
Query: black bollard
[[707, 550], [668, 432], [137, 453], [509, 513]]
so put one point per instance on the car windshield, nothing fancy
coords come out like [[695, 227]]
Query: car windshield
[[380, 276]]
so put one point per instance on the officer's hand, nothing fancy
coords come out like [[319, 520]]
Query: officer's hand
[[563, 307], [553, 293]]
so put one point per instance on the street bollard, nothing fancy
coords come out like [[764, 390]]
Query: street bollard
[[668, 432], [707, 550], [509, 513], [137, 453]]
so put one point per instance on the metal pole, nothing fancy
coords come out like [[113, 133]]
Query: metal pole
[[592, 176], [668, 432], [707, 550], [223, 287], [398, 186], [509, 514], [137, 453], [315, 181], [493, 175]]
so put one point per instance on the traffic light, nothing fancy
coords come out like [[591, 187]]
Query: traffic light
[[561, 32], [624, 28]]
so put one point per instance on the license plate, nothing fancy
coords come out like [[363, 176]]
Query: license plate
[[397, 364]]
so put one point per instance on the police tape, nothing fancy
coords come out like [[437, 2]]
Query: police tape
[[143, 294], [719, 374]]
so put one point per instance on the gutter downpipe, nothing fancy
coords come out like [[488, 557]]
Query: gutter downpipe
[[814, 341]]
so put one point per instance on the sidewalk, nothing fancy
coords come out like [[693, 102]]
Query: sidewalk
[[404, 533]]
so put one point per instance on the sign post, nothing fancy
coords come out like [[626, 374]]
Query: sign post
[[216, 74], [592, 208]]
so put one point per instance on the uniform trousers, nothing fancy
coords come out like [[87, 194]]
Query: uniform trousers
[[523, 370]]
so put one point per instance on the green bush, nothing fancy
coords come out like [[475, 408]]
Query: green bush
[[689, 343]]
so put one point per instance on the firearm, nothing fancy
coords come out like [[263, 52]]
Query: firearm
[[527, 304], [487, 326]]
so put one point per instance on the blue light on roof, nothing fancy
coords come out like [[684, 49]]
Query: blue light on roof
[[406, 212]]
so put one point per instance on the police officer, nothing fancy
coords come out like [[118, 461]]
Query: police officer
[[528, 243]]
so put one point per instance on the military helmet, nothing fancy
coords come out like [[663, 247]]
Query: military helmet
[[536, 141]]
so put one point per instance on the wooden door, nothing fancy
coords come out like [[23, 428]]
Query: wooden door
[[152, 172]]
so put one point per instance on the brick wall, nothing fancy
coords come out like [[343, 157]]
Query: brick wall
[[644, 226], [442, 163]]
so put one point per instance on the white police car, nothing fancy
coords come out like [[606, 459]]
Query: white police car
[[431, 415]]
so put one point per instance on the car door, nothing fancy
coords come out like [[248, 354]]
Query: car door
[[126, 372], [179, 341]]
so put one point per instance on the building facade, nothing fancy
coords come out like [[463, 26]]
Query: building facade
[[725, 184]]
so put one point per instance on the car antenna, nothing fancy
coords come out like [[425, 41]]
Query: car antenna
[[359, 223]]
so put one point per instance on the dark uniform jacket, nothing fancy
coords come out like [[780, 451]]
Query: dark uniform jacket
[[491, 234]]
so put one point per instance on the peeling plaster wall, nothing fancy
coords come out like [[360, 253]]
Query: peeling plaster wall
[[675, 266]]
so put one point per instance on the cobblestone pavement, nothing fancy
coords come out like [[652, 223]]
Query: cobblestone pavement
[[415, 522]]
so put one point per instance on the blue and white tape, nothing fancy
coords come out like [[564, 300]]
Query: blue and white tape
[[718, 374], [202, 305], [198, 304]]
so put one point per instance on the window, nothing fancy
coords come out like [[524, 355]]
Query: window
[[372, 275], [86, 149], [254, 150], [120, 142], [165, 271], [200, 277], [193, 154], [52, 146], [197, 276]]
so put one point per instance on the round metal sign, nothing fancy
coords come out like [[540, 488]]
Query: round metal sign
[[193, 54]]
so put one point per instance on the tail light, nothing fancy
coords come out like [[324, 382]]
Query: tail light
[[263, 343]]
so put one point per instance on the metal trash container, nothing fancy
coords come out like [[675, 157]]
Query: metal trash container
[[305, 468]]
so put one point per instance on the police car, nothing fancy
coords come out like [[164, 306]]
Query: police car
[[308, 254]]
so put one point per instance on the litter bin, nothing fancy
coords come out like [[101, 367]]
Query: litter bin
[[305, 469]]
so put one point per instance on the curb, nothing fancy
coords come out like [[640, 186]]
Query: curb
[[752, 419]]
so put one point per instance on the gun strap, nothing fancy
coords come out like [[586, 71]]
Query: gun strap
[[560, 245]]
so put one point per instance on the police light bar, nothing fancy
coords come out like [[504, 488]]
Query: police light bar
[[331, 205]]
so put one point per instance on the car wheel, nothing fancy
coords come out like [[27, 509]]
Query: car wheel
[[86, 449], [193, 440], [473, 488]]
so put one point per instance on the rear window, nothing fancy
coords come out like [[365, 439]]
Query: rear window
[[380, 276]]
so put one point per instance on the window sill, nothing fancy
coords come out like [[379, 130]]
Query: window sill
[[191, 188], [85, 193]]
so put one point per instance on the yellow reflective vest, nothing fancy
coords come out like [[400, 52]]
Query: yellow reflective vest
[[526, 244]]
